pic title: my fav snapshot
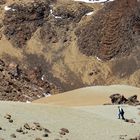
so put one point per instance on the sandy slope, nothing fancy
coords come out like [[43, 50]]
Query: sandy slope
[[90, 95], [77, 113], [84, 123]]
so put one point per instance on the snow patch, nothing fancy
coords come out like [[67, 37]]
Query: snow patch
[[51, 11], [46, 94], [94, 1], [28, 102], [57, 17], [90, 13], [98, 59], [7, 8]]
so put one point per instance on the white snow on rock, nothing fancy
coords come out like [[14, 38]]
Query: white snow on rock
[[46, 94], [98, 59], [57, 17], [90, 13], [7, 8], [94, 1], [51, 11], [28, 102]]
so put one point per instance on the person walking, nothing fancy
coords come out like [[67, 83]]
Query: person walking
[[121, 113]]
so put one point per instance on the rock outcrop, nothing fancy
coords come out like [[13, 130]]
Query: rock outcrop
[[120, 99]]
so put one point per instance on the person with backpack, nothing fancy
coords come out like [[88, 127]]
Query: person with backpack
[[121, 113]]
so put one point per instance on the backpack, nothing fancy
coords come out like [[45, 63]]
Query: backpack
[[122, 111]]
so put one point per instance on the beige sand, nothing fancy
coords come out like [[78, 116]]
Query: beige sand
[[96, 95], [84, 123]]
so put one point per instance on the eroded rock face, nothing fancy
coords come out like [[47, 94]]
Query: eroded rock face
[[21, 21], [112, 31]]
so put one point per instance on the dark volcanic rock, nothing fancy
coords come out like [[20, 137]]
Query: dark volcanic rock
[[19, 130], [120, 99], [133, 100], [13, 135], [64, 130], [47, 130], [7, 116], [112, 32], [27, 126], [45, 135], [10, 121], [62, 133], [23, 21]]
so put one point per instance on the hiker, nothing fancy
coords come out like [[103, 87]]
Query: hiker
[[121, 113]]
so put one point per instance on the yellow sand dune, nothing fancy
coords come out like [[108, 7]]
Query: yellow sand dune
[[95, 95]]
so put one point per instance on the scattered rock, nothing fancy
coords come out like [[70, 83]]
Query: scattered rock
[[46, 135], [64, 130], [10, 121], [136, 138], [37, 124], [19, 130], [25, 132], [39, 128], [38, 139], [62, 133], [33, 127], [13, 135], [27, 126], [7, 116], [122, 137], [47, 130]]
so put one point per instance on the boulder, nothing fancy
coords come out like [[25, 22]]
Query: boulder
[[13, 135], [118, 99], [64, 130], [7, 116], [26, 125], [19, 130]]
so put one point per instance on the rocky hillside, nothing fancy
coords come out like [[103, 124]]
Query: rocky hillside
[[75, 44], [20, 85]]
